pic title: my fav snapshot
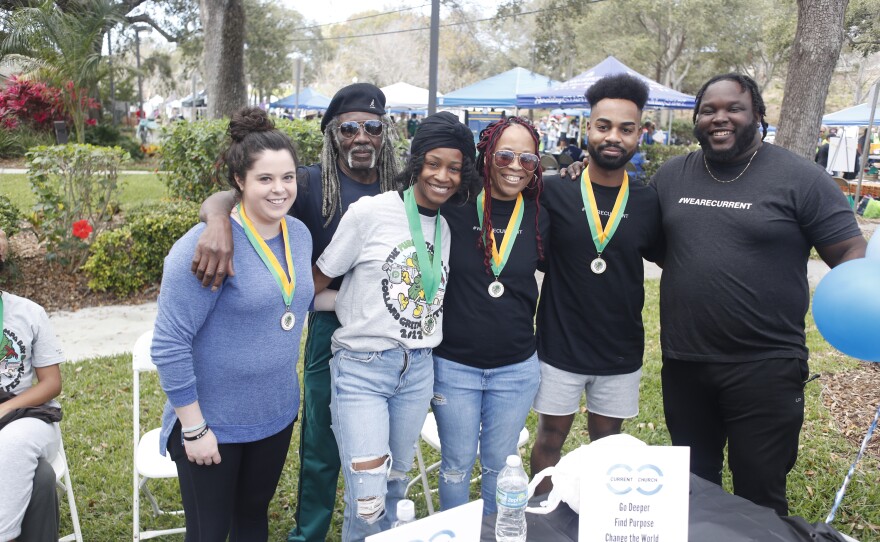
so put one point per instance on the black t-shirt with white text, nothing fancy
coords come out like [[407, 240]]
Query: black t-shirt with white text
[[734, 285], [479, 330], [588, 323]]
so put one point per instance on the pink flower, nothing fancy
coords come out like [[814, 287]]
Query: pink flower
[[82, 229]]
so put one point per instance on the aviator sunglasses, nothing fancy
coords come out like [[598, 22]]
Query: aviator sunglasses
[[527, 160], [349, 129]]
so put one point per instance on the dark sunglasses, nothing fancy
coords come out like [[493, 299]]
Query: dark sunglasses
[[527, 160], [350, 128]]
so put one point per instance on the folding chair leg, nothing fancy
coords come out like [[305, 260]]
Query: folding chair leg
[[67, 487], [426, 489]]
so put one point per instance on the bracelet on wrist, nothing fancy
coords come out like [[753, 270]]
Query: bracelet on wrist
[[194, 428], [201, 434]]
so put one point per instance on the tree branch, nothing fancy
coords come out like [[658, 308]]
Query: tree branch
[[146, 19]]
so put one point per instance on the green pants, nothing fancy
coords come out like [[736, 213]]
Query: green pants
[[318, 454]]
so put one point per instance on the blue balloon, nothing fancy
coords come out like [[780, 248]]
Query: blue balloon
[[846, 308], [873, 250]]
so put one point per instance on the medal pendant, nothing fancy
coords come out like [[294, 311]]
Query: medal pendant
[[598, 266], [496, 289], [429, 324], [288, 320]]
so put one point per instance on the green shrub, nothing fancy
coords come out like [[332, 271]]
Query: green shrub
[[126, 259], [657, 155], [107, 135], [9, 216], [76, 190], [14, 143], [189, 150]]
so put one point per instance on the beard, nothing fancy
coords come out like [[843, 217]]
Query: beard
[[742, 141], [349, 157], [605, 162]]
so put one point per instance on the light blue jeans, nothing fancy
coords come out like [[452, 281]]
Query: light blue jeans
[[378, 404], [485, 406]]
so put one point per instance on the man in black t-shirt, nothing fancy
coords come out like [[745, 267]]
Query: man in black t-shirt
[[360, 161], [739, 218], [589, 325]]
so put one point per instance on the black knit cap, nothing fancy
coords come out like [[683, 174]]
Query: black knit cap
[[443, 130], [362, 97]]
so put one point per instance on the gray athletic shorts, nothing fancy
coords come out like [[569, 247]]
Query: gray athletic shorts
[[613, 396]]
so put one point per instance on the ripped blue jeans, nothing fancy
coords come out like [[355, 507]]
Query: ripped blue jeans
[[485, 407], [378, 404]]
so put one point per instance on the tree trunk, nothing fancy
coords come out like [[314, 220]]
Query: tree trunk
[[817, 44], [224, 29]]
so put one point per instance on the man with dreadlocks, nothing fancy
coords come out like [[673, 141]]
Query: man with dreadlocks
[[357, 160], [740, 218]]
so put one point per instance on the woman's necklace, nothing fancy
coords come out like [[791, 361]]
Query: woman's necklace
[[706, 163]]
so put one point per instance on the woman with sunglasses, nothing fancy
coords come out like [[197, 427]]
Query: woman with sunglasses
[[393, 250], [486, 371]]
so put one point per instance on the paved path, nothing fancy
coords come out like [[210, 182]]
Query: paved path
[[103, 331]]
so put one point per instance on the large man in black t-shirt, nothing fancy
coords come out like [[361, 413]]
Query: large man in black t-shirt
[[589, 323], [358, 160], [739, 218]]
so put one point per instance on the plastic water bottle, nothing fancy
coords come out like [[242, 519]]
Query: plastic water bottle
[[406, 512], [511, 495]]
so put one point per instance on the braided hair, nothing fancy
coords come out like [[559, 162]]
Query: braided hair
[[746, 83], [386, 163], [489, 137]]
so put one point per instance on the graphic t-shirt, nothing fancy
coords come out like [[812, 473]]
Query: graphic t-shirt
[[381, 302], [307, 206], [734, 285], [588, 323], [27, 341], [480, 330]]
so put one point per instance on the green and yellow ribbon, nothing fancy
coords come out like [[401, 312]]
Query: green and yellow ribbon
[[500, 256], [602, 236], [287, 285]]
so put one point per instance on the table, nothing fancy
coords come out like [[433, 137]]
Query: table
[[714, 515]]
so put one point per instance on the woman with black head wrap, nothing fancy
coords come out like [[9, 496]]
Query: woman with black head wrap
[[393, 250]]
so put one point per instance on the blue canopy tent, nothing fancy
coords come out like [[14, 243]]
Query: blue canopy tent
[[497, 91], [857, 115], [571, 93], [308, 99]]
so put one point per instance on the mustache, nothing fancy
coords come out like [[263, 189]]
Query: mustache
[[361, 148], [604, 146]]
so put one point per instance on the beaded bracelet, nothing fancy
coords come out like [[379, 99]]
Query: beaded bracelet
[[197, 437], [194, 428]]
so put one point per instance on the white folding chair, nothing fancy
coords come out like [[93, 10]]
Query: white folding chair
[[62, 480], [431, 436], [148, 462]]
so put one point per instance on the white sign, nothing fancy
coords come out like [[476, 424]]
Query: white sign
[[462, 524], [635, 494]]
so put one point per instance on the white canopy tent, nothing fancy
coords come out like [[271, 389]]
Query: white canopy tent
[[405, 96]]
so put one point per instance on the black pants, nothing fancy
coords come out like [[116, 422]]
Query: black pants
[[230, 498], [757, 408], [41, 518]]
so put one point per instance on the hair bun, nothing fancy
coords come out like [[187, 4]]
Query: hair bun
[[248, 121]]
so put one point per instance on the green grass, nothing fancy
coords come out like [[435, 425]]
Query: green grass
[[97, 433], [135, 189]]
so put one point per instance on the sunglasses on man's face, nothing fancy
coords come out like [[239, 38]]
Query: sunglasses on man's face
[[350, 128], [527, 160]]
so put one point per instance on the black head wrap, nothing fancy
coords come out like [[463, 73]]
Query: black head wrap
[[443, 130], [362, 97]]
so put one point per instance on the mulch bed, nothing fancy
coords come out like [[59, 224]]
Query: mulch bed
[[29, 275], [853, 397]]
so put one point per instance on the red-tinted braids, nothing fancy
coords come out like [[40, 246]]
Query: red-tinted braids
[[485, 149]]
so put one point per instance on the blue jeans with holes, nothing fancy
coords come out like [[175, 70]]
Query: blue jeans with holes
[[378, 404], [485, 406]]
